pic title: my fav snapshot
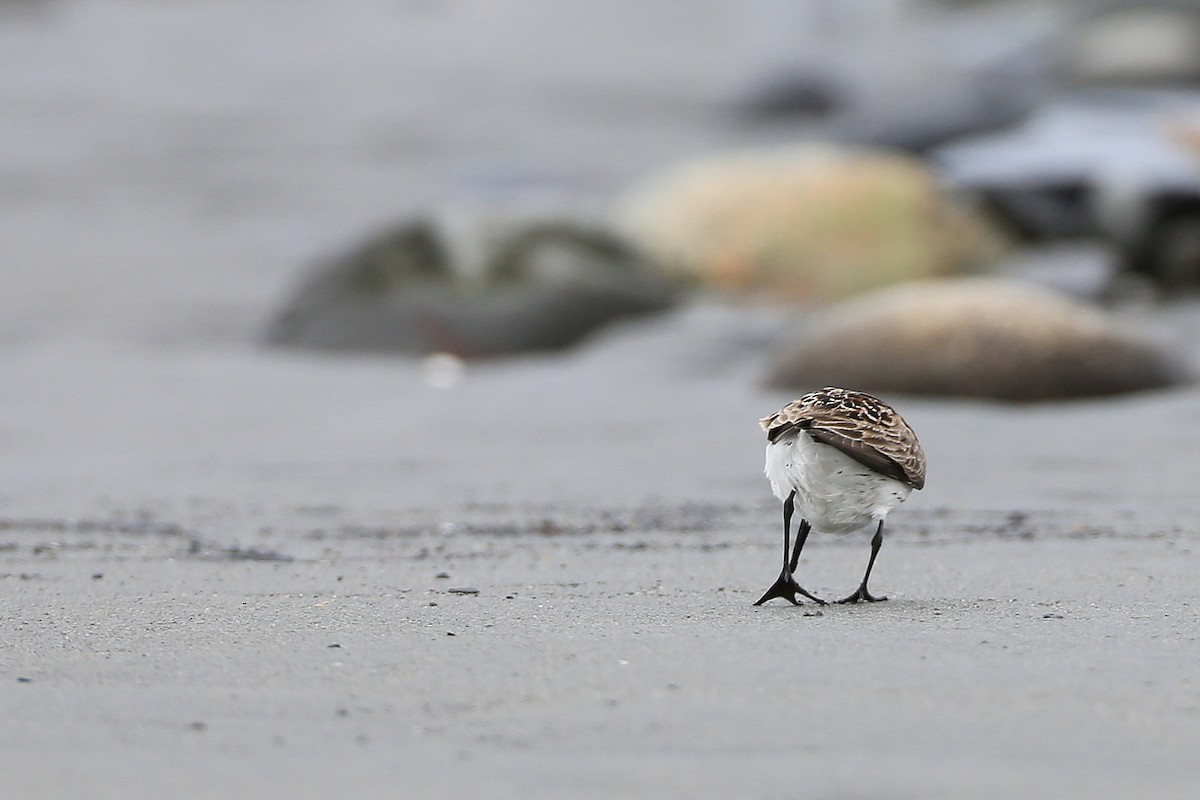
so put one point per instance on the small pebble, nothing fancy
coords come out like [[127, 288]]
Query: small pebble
[[463, 590], [335, 644], [23, 679], [442, 575]]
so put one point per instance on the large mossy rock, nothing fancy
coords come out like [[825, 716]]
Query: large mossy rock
[[818, 222], [984, 338], [504, 289]]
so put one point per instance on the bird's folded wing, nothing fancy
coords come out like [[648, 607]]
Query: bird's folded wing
[[863, 453]]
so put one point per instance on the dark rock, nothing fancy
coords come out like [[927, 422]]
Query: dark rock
[[1156, 235], [791, 95], [1122, 166], [539, 286]]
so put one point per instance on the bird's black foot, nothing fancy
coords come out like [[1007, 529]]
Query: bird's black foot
[[862, 594], [787, 588]]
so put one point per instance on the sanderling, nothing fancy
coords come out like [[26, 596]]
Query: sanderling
[[843, 459]]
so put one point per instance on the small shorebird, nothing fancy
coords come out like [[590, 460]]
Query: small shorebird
[[843, 459]]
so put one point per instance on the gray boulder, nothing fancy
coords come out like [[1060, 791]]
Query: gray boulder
[[503, 288]]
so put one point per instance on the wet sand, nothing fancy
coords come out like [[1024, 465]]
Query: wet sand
[[222, 576], [602, 663]]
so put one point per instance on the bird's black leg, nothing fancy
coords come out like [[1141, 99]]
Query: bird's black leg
[[862, 593], [801, 537], [785, 586]]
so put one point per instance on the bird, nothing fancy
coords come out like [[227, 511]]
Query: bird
[[843, 459]]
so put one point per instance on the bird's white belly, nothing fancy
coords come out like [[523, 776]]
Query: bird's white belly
[[834, 492]]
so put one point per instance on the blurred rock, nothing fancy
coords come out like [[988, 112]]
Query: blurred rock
[[985, 338], [501, 287], [816, 221], [1164, 250], [792, 95], [1040, 176], [1110, 159], [1152, 218], [901, 75], [1135, 44], [1121, 165]]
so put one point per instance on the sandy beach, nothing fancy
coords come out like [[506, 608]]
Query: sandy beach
[[592, 664], [231, 572], [228, 570]]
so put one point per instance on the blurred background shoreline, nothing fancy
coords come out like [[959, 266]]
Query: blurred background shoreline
[[171, 173], [168, 168]]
